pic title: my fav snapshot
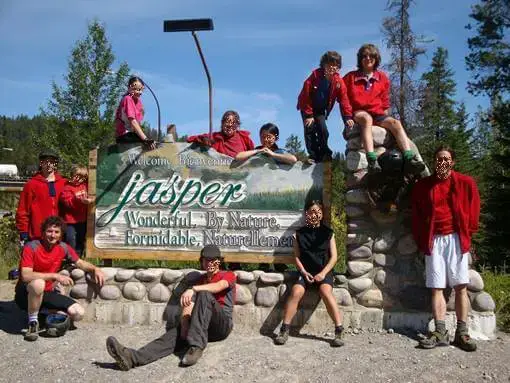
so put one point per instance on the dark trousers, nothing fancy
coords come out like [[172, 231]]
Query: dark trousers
[[316, 139], [128, 138], [75, 236], [209, 323]]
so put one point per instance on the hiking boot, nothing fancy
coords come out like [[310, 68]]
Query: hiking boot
[[435, 339], [120, 353], [413, 166], [373, 166], [33, 331], [464, 342], [282, 338], [338, 340], [192, 356]]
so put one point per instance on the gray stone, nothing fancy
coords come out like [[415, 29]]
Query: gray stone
[[356, 160], [358, 196], [387, 260], [274, 279], [371, 298], [340, 279], [82, 291], [124, 275], [244, 276], [384, 242], [282, 290], [483, 302], [257, 274], [360, 252], [384, 218], [64, 272], [110, 293], [342, 296], [380, 278], [359, 239], [77, 274], [353, 211], [266, 296], [159, 293], [109, 272], [349, 133], [243, 295], [134, 291], [358, 285], [359, 225], [171, 276], [356, 179], [406, 245], [354, 143], [380, 135], [380, 150], [149, 275], [359, 268], [475, 281]]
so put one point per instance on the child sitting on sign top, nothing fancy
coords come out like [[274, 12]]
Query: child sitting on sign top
[[315, 255], [74, 201], [316, 100], [231, 140], [129, 116], [269, 134], [369, 93]]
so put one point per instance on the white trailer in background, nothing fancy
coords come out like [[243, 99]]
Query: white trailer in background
[[10, 171]]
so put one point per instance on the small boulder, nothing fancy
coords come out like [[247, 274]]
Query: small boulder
[[266, 296], [148, 275], [359, 268], [110, 293], [171, 276], [124, 275], [358, 285], [483, 302], [134, 291], [244, 276], [159, 293], [243, 295], [371, 298], [475, 281], [274, 279]]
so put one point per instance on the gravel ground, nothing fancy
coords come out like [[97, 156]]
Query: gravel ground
[[366, 357]]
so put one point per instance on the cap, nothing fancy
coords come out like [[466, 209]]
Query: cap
[[47, 153], [211, 252]]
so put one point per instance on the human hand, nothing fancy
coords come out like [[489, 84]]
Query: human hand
[[308, 277], [319, 277], [267, 152], [99, 276], [64, 280], [186, 297], [308, 122], [350, 123], [149, 144]]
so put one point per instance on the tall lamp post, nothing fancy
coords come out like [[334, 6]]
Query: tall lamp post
[[194, 25]]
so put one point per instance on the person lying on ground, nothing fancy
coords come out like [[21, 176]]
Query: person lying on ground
[[38, 286], [203, 314]]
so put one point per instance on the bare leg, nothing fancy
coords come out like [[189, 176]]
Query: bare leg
[[364, 120], [292, 303], [397, 130], [438, 304], [76, 312], [461, 302], [35, 291], [326, 292]]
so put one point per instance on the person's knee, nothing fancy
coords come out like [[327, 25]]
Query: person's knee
[[437, 292], [203, 295], [325, 290], [36, 287], [297, 293], [363, 118], [460, 289], [76, 312]]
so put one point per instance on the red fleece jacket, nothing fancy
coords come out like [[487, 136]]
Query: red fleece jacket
[[72, 210], [465, 209], [230, 146]]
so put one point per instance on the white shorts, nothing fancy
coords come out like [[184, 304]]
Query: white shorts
[[446, 266]]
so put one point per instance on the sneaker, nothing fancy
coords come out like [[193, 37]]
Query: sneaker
[[33, 331], [464, 342], [373, 166], [413, 166], [120, 353], [435, 339], [192, 356], [282, 338], [338, 340]]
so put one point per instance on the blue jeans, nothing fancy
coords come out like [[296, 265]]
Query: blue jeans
[[75, 236]]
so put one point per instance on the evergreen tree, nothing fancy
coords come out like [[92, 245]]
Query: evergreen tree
[[459, 137], [402, 43], [294, 145], [489, 60]]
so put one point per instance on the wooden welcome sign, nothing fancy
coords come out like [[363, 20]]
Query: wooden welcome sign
[[168, 203]]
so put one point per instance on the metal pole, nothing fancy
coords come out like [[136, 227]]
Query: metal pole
[[159, 111], [195, 37]]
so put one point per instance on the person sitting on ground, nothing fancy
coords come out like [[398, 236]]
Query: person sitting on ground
[[369, 93], [39, 198], [269, 134], [316, 100], [129, 116], [39, 265], [74, 201], [204, 313], [315, 255], [231, 140]]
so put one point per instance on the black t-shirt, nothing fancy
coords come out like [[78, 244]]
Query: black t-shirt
[[314, 247]]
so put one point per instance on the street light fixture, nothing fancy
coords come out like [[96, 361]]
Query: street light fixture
[[194, 25]]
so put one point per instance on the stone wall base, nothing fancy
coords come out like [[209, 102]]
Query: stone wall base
[[254, 319]]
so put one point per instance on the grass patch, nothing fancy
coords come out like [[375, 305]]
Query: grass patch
[[290, 200], [498, 286]]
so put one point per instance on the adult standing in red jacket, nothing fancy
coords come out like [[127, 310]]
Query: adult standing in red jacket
[[39, 198], [446, 210], [316, 100]]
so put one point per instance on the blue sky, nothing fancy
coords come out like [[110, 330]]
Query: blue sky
[[259, 53]]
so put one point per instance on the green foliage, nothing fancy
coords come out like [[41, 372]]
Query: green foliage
[[290, 200], [498, 286], [294, 146], [338, 218]]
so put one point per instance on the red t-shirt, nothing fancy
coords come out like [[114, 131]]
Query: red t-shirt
[[129, 108], [41, 260], [371, 95], [442, 202], [226, 297]]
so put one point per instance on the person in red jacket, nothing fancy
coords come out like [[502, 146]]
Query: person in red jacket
[[316, 100], [73, 207], [230, 141], [445, 214], [369, 93], [39, 198]]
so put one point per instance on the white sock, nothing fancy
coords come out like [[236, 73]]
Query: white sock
[[33, 317]]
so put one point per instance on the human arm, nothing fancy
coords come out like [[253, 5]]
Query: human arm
[[90, 268], [331, 263], [28, 275], [214, 288], [23, 211], [297, 254], [305, 101], [281, 155], [242, 156], [344, 102], [385, 96]]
